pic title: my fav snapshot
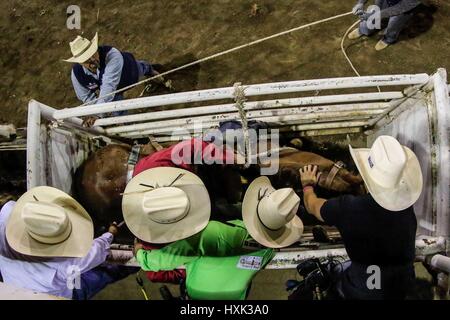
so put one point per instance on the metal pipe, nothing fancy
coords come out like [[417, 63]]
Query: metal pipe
[[47, 112], [33, 144], [442, 138], [250, 90], [251, 105], [441, 263], [275, 121], [267, 116]]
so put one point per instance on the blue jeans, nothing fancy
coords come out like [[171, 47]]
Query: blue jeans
[[394, 25], [145, 68], [93, 281]]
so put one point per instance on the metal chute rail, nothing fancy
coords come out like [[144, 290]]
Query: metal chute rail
[[414, 108]]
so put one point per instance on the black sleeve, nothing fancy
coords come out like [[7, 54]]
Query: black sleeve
[[333, 211]]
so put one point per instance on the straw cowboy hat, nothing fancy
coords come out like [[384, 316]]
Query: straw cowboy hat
[[270, 215], [82, 49], [391, 172], [165, 204], [47, 222]]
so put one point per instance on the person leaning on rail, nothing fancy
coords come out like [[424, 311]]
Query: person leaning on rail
[[378, 229], [394, 14], [100, 70]]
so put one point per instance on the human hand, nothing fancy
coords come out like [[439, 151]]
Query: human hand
[[113, 228], [137, 246], [309, 175], [89, 121], [358, 9]]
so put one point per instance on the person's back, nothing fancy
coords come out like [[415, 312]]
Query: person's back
[[378, 229], [374, 236]]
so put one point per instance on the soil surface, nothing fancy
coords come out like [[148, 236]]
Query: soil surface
[[35, 40]]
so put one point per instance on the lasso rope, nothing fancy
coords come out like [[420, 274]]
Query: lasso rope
[[239, 98], [345, 53], [246, 45]]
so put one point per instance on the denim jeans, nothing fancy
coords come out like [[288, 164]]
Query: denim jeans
[[394, 25], [145, 68], [93, 281]]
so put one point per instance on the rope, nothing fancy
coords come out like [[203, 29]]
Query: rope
[[345, 53], [246, 45], [239, 97], [343, 49]]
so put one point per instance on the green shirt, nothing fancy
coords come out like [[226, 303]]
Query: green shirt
[[216, 240]]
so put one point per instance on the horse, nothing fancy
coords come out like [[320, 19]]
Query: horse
[[100, 181]]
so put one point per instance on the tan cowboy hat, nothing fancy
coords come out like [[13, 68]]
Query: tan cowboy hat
[[47, 222], [82, 49], [391, 172], [270, 215], [165, 204]]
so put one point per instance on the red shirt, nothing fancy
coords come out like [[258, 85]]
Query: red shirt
[[183, 154], [180, 155]]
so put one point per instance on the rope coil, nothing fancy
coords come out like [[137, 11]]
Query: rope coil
[[239, 98]]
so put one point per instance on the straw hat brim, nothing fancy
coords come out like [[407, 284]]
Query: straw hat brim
[[86, 54], [150, 231], [284, 237], [399, 197], [78, 243]]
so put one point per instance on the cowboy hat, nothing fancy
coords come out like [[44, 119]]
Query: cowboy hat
[[270, 215], [391, 172], [165, 204], [82, 49], [47, 222]]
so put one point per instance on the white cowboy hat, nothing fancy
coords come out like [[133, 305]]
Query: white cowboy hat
[[270, 215], [82, 49], [165, 204], [391, 172], [47, 222]]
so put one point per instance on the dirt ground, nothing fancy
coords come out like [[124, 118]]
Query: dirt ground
[[35, 40]]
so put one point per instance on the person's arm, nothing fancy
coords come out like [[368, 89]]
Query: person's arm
[[309, 178], [169, 257], [98, 253], [111, 75], [5, 213], [83, 94], [401, 7]]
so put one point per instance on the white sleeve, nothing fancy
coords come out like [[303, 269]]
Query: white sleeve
[[111, 75]]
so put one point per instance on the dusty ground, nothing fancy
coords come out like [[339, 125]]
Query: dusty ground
[[35, 40]]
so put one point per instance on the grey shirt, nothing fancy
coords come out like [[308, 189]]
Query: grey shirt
[[110, 79]]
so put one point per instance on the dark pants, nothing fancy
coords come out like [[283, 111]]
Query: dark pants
[[350, 282], [93, 281], [394, 25]]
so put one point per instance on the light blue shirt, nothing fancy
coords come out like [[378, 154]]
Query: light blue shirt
[[46, 275], [110, 79]]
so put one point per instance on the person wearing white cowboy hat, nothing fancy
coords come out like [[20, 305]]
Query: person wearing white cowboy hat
[[45, 237], [165, 204], [100, 70], [378, 228], [270, 215]]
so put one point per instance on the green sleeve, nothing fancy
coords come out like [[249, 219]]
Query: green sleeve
[[157, 260]]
